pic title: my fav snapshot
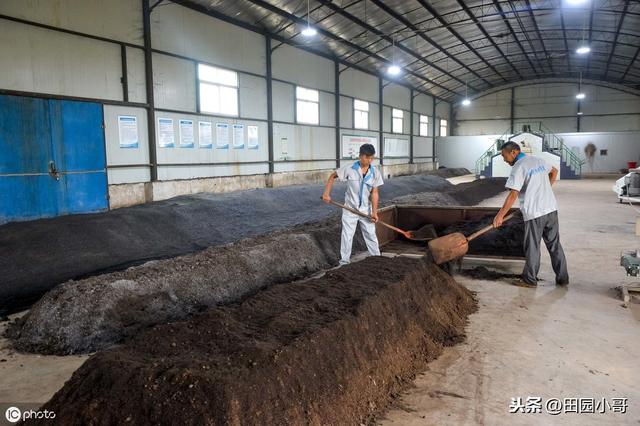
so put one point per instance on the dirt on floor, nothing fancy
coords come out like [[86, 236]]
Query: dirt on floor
[[484, 273], [331, 350], [36, 256]]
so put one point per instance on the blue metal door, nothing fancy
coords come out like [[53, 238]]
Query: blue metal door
[[52, 158], [79, 156]]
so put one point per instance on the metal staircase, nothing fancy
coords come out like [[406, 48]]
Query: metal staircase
[[570, 162]]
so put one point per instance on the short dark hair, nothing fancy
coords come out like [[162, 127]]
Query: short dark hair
[[510, 146], [367, 149]]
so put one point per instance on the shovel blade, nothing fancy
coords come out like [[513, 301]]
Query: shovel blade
[[448, 248], [426, 233]]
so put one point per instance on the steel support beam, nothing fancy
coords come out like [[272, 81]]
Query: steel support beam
[[269, 102], [380, 119], [148, 72], [433, 136], [535, 26], [615, 40], [336, 76], [412, 97], [487, 35], [429, 40], [513, 34], [451, 30], [385, 37]]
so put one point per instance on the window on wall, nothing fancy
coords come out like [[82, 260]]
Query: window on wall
[[218, 90], [443, 127], [307, 106], [396, 120], [424, 125], [360, 114]]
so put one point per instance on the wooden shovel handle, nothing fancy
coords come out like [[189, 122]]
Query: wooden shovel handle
[[488, 227], [359, 213]]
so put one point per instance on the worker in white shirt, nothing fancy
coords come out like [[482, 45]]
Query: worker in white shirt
[[530, 181], [363, 181]]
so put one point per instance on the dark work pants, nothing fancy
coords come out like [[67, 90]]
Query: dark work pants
[[544, 228]]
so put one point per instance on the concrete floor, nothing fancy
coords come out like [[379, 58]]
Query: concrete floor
[[547, 342], [31, 379]]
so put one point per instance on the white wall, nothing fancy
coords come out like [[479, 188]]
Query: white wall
[[135, 75], [136, 158], [185, 32], [44, 61], [359, 85], [355, 84], [115, 19], [553, 104], [443, 111], [423, 145], [38, 60], [174, 83], [463, 151], [396, 96], [303, 68], [621, 147]]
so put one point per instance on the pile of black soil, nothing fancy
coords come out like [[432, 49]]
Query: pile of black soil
[[472, 193], [483, 273], [36, 256], [97, 312], [464, 194], [450, 172], [332, 350], [505, 241]]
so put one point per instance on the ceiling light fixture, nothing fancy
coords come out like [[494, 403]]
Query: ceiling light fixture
[[580, 112], [466, 101], [583, 50], [309, 31], [580, 94], [583, 47], [393, 69]]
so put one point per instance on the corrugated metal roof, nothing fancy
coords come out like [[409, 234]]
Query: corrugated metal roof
[[443, 45]]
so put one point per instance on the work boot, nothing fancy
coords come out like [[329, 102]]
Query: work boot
[[519, 282]]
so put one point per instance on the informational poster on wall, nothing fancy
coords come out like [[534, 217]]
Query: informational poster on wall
[[252, 137], [284, 146], [205, 135], [166, 135], [222, 135], [238, 136], [394, 147], [128, 131], [186, 134], [351, 145]]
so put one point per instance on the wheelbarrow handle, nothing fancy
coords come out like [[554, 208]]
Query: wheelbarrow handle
[[489, 227]]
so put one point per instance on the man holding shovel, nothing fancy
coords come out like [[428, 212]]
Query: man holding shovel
[[530, 181], [363, 181]]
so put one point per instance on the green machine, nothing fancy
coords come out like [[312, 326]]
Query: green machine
[[630, 261]]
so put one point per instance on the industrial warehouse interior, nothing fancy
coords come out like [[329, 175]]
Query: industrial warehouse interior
[[320, 212]]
